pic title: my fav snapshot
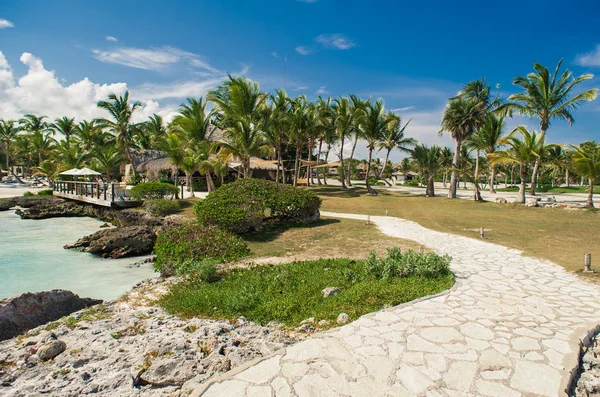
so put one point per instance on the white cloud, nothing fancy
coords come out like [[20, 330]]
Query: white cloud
[[335, 41], [322, 90], [274, 54], [40, 91], [182, 89], [404, 109], [4, 23], [157, 59], [591, 58], [111, 38], [304, 50]]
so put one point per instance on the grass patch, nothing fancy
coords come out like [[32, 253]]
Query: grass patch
[[556, 190], [290, 293], [559, 235], [328, 238]]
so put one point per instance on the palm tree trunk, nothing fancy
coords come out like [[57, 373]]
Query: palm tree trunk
[[430, 192], [387, 155], [309, 176], [210, 185], [7, 157], [536, 167], [350, 162], [318, 160], [246, 167], [477, 194], [370, 190], [297, 162], [326, 169], [445, 177], [492, 179], [454, 179], [512, 175], [188, 182], [567, 176], [590, 198], [521, 195], [278, 159], [344, 187]]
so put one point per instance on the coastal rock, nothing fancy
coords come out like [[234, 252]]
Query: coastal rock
[[6, 205], [125, 349], [44, 208], [118, 242], [330, 291], [51, 349], [30, 310]]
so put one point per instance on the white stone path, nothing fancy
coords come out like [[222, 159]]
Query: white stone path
[[509, 327]]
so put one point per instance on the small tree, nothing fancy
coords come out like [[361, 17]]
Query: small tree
[[428, 162], [586, 160]]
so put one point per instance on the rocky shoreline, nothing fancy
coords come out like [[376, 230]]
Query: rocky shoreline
[[588, 382], [131, 347]]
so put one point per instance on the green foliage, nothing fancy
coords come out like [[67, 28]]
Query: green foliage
[[165, 180], [204, 270], [186, 247], [290, 293], [45, 192], [201, 186], [397, 264], [247, 204], [412, 183], [161, 207], [28, 194], [153, 191]]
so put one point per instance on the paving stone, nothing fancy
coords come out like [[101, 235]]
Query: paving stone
[[460, 375], [259, 391], [525, 343], [536, 378], [441, 334], [413, 380], [261, 372], [495, 389]]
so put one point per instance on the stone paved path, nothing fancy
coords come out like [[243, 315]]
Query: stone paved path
[[509, 327]]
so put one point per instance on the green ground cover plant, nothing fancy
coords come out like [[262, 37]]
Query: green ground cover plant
[[290, 293], [153, 191]]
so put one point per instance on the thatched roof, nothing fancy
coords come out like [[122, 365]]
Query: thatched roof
[[255, 164], [330, 165], [155, 165], [141, 156]]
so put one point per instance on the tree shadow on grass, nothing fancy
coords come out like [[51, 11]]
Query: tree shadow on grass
[[272, 232]]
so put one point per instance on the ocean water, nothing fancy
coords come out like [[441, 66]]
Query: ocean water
[[32, 259]]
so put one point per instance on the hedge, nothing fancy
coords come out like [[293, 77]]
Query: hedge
[[177, 249], [162, 207], [153, 191], [246, 204]]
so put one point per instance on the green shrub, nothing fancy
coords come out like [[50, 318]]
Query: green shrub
[[45, 192], [28, 194], [397, 264], [201, 271], [291, 292], [160, 207], [181, 248], [165, 180], [247, 204], [153, 191], [413, 183]]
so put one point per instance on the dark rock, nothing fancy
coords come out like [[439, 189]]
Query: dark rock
[[30, 310], [48, 208], [104, 226], [6, 205], [118, 242]]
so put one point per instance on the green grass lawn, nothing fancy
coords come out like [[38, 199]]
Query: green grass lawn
[[290, 293], [560, 235]]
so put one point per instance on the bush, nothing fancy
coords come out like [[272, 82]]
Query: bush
[[200, 271], [397, 264], [45, 192], [413, 183], [162, 207], [153, 191], [179, 249], [247, 204], [28, 194], [165, 180]]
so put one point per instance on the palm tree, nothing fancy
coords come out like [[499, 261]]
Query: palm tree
[[523, 152], [344, 126], [239, 103], [461, 118], [356, 108], [547, 97], [428, 161], [487, 140], [329, 133], [107, 159], [586, 160], [278, 124], [556, 160], [34, 124], [39, 140], [446, 160], [372, 125], [8, 135], [121, 125], [70, 155], [65, 126], [89, 134], [394, 138]]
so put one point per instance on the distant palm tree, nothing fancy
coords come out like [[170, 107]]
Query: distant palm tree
[[107, 159], [240, 102], [461, 118], [556, 160], [357, 107], [487, 140], [523, 152], [89, 134], [446, 159], [394, 138], [344, 126], [427, 161], [586, 160], [65, 126], [373, 124], [279, 122], [121, 124], [547, 96], [8, 135], [329, 135], [151, 132], [71, 155]]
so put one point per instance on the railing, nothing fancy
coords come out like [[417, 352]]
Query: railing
[[95, 190]]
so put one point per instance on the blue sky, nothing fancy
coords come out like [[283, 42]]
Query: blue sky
[[412, 54]]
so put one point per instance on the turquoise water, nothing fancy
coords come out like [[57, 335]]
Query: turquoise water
[[32, 258]]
